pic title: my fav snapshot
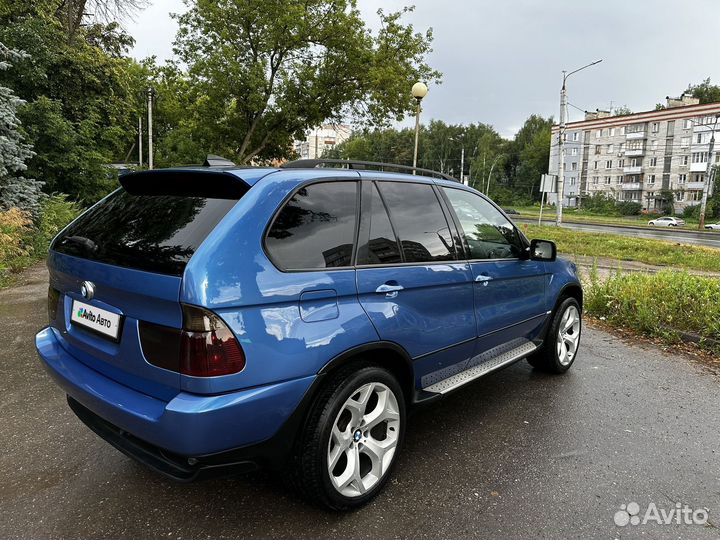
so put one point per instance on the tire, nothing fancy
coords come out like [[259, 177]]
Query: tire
[[350, 399], [551, 357]]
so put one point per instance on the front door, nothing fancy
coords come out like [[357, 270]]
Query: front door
[[410, 281], [509, 291]]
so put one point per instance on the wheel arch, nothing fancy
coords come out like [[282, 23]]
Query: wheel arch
[[389, 355]]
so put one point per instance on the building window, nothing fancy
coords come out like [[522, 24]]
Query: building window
[[682, 178], [576, 136], [699, 157], [611, 148], [684, 142], [651, 179], [635, 162], [621, 148], [653, 161], [623, 129], [595, 165], [654, 144], [597, 149], [684, 160], [621, 163], [687, 123], [573, 151], [612, 131], [572, 179], [655, 127], [608, 164], [699, 178], [595, 180], [573, 166], [598, 133], [620, 179]]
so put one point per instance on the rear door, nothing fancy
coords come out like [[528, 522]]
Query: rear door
[[509, 290], [410, 281], [128, 254]]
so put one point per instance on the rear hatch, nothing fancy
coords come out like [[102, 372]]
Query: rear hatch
[[121, 264]]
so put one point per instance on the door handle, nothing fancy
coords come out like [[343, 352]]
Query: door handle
[[480, 278], [391, 291]]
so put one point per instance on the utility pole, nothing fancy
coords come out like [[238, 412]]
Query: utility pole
[[561, 142], [561, 152], [150, 127], [140, 156], [710, 176], [462, 165]]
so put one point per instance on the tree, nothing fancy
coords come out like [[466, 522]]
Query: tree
[[705, 91], [529, 156], [623, 110], [261, 73], [15, 191], [82, 99]]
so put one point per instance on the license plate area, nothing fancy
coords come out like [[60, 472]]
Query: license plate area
[[96, 320]]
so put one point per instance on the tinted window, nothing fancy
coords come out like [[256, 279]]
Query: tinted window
[[156, 233], [419, 221], [488, 235], [316, 228], [382, 247]]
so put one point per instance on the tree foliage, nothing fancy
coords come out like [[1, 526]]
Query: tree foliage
[[706, 92], [261, 73], [15, 190]]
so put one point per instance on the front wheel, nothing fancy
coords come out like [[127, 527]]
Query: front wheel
[[561, 344], [351, 439]]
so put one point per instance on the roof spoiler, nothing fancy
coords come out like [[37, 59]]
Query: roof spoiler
[[217, 161]]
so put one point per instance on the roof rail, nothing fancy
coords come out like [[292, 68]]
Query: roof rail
[[362, 165], [217, 161]]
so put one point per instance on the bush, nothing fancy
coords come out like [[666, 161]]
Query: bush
[[22, 242], [661, 304], [628, 208]]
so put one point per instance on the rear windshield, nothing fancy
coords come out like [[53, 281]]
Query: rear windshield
[[156, 233]]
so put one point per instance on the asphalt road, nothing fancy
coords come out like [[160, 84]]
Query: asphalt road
[[682, 235], [518, 454]]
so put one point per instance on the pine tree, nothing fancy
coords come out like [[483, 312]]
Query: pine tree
[[15, 190]]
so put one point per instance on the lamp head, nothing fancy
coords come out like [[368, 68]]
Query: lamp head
[[419, 90]]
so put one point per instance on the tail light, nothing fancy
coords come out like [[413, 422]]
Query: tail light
[[52, 305], [204, 347]]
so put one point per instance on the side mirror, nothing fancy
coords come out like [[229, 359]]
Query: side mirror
[[543, 250]]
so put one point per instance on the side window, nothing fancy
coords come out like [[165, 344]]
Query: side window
[[382, 247], [487, 233], [315, 228], [419, 221]]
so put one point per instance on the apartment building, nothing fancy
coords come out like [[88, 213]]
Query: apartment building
[[635, 157], [322, 138]]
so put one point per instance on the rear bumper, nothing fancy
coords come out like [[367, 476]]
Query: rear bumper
[[214, 429]]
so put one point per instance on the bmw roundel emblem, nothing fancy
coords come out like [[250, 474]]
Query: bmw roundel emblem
[[87, 289]]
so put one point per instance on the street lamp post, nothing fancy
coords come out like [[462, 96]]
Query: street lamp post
[[419, 91], [561, 141], [709, 176]]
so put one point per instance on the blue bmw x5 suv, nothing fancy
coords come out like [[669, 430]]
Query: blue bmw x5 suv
[[214, 319]]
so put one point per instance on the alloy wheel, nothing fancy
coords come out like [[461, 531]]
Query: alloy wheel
[[568, 335], [363, 439]]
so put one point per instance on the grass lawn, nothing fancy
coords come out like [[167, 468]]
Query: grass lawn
[[626, 248], [570, 214]]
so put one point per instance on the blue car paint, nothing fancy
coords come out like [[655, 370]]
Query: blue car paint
[[290, 324]]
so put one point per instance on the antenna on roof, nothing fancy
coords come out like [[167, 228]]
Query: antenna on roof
[[217, 161]]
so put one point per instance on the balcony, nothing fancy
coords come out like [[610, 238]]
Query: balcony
[[699, 167], [634, 169], [630, 135], [635, 152], [631, 186], [694, 185]]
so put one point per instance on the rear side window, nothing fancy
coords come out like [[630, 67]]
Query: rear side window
[[382, 247], [156, 233], [316, 228], [419, 221]]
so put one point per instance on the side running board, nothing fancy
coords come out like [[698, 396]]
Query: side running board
[[485, 363]]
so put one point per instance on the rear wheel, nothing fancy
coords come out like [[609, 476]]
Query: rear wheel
[[562, 341], [353, 433]]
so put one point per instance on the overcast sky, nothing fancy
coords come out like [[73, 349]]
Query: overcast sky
[[503, 60]]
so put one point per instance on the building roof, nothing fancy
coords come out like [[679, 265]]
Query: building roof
[[646, 116]]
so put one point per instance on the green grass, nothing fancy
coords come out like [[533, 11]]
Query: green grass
[[571, 214], [661, 305], [627, 248]]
